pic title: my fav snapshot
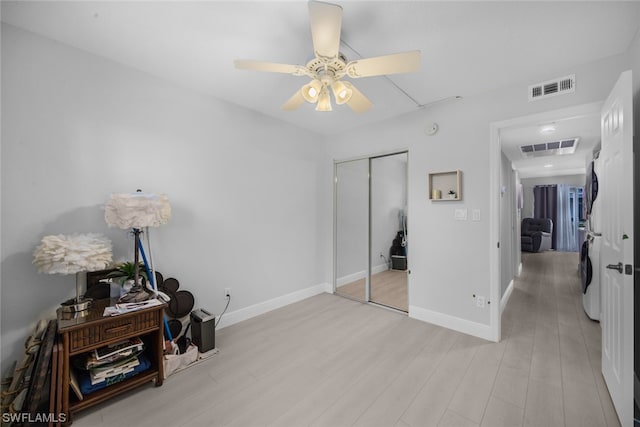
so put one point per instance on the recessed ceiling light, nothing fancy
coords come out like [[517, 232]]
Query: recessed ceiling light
[[548, 165], [549, 129]]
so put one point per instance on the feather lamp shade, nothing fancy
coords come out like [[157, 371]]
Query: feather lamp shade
[[73, 254], [137, 210]]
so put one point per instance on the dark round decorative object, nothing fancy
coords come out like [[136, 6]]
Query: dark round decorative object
[[182, 304], [175, 327], [159, 279], [171, 284], [172, 297]]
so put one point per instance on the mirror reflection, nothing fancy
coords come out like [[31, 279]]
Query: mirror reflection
[[389, 238], [352, 228], [371, 249]]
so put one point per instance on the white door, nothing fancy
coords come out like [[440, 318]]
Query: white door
[[616, 190]]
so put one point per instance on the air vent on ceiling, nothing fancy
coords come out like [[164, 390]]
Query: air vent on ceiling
[[560, 86], [553, 148]]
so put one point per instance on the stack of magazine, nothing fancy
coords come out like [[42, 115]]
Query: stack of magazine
[[108, 365]]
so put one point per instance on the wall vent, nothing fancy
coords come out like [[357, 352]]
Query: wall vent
[[560, 86], [553, 148]]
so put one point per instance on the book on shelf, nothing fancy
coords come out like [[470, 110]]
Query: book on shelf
[[74, 384], [84, 377], [89, 360], [121, 348], [96, 380], [117, 368]]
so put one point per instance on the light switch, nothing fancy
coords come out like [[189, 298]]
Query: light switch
[[460, 214], [475, 215]]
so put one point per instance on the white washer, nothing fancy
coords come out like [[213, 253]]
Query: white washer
[[591, 299]]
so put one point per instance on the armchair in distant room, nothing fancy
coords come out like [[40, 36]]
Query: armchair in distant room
[[536, 234]]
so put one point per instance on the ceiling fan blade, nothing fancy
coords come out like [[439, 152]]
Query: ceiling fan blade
[[294, 102], [405, 62], [358, 102], [248, 64], [326, 24]]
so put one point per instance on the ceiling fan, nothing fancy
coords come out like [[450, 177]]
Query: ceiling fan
[[329, 65]]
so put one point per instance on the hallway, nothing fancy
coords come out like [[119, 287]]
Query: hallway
[[552, 359]]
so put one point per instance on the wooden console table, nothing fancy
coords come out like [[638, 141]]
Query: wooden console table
[[90, 330]]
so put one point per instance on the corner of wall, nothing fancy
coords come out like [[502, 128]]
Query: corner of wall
[[273, 304], [479, 330]]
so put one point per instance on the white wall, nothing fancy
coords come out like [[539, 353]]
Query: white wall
[[449, 259], [76, 127], [577, 180], [507, 223]]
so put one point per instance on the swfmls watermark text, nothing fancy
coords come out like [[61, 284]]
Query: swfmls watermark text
[[39, 417]]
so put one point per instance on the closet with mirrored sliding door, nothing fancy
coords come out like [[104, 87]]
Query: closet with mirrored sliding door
[[370, 230]]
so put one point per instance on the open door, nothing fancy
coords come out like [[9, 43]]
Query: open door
[[616, 184]]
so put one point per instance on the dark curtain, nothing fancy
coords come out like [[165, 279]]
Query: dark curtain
[[545, 205]]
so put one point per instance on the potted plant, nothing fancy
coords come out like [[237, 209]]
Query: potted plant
[[452, 194], [124, 273]]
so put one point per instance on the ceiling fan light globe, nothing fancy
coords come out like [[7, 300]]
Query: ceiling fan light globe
[[324, 101], [341, 92], [311, 90]]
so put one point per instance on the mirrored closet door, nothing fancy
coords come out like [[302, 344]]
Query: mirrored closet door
[[352, 229], [389, 238], [371, 237]]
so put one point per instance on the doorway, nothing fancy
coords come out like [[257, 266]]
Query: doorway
[[512, 172], [370, 232], [616, 218]]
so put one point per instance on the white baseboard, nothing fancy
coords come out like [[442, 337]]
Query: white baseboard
[[519, 269], [361, 274], [245, 313], [479, 330], [506, 296], [351, 277], [379, 268]]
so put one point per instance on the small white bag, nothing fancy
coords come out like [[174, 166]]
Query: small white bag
[[176, 362]]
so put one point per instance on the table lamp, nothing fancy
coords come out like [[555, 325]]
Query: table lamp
[[136, 211], [73, 254]]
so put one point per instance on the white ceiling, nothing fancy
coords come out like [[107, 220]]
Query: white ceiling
[[585, 126], [467, 47]]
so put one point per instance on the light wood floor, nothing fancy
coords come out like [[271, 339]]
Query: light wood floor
[[331, 361], [387, 288]]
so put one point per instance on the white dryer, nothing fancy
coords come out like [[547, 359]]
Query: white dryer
[[590, 253]]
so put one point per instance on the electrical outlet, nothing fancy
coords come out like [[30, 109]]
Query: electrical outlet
[[480, 301], [227, 292]]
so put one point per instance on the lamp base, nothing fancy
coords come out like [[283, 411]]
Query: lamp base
[[136, 294], [76, 304]]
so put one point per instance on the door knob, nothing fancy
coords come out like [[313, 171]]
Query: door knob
[[617, 266]]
